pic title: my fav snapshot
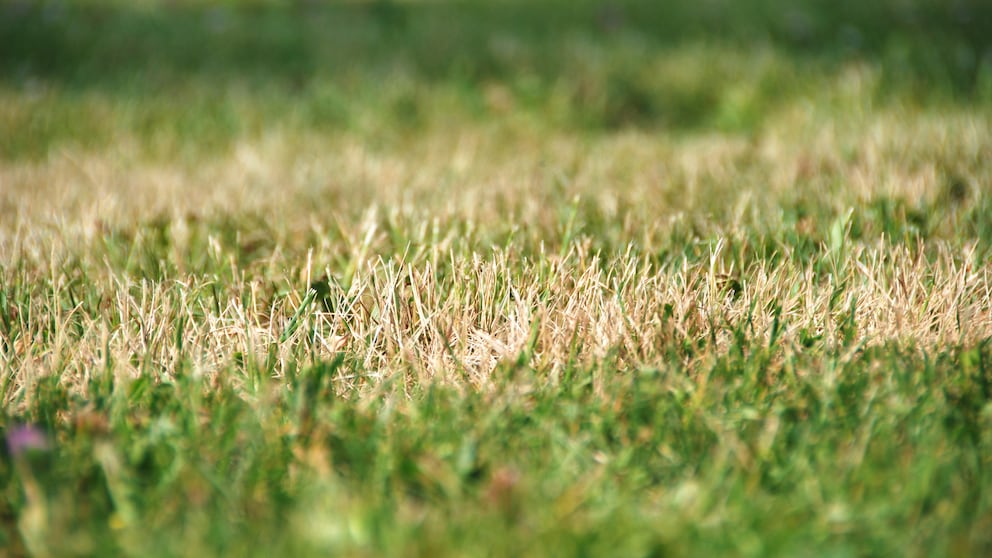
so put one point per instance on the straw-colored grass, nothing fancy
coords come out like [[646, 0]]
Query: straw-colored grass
[[462, 250]]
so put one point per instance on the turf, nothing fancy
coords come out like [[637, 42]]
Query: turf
[[496, 278]]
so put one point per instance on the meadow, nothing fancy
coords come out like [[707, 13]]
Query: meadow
[[496, 278]]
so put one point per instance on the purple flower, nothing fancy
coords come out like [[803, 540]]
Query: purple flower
[[25, 438]]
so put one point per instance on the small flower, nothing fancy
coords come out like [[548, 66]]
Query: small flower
[[21, 439]]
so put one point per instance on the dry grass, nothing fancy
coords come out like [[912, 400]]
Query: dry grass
[[400, 317], [461, 251], [493, 173]]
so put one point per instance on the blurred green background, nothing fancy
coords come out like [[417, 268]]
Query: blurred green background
[[188, 78]]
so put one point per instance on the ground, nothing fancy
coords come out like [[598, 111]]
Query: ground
[[496, 278]]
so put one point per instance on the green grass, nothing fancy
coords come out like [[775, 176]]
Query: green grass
[[195, 77], [493, 278], [831, 453]]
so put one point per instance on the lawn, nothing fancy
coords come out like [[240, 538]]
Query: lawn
[[496, 278]]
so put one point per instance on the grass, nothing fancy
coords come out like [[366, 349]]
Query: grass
[[488, 278]]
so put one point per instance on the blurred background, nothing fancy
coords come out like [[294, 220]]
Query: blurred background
[[189, 78]]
